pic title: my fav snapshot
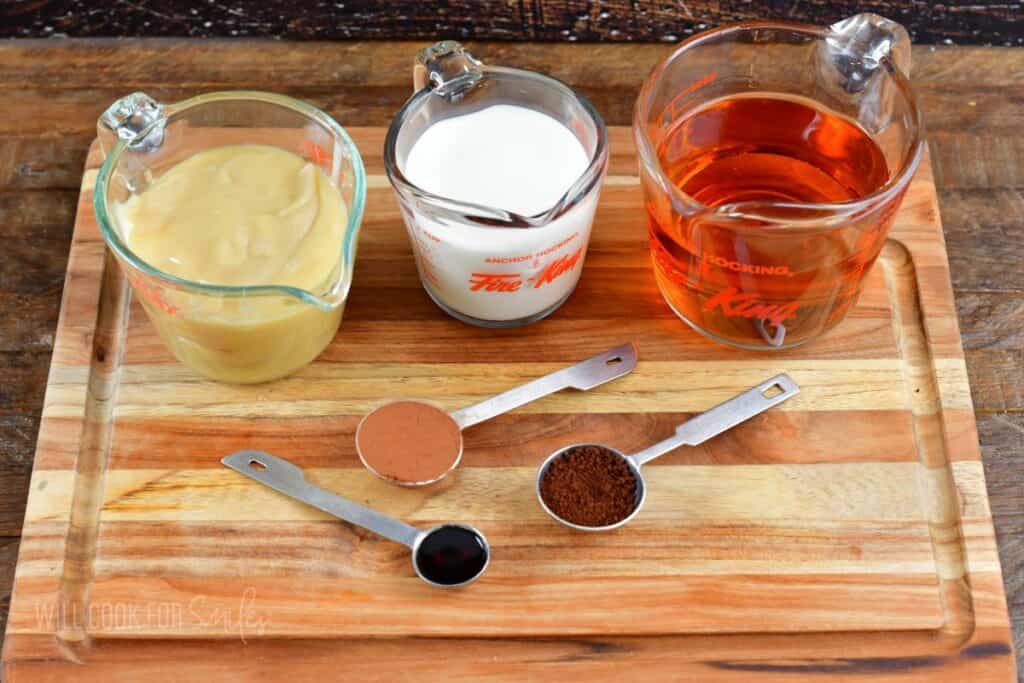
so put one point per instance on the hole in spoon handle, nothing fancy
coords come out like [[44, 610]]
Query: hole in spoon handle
[[739, 409], [587, 374], [724, 416], [602, 368]]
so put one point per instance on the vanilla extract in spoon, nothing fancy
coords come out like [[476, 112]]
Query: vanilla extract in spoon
[[452, 555], [448, 555]]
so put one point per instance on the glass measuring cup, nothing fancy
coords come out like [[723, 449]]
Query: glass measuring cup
[[693, 432], [232, 334], [760, 266], [385, 434], [448, 555], [486, 265]]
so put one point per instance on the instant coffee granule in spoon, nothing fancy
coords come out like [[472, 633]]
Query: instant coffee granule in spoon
[[589, 486]]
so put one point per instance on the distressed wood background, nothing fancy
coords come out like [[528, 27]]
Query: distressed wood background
[[53, 90], [954, 22]]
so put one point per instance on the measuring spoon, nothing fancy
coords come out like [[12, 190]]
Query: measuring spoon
[[414, 443], [447, 555], [693, 432]]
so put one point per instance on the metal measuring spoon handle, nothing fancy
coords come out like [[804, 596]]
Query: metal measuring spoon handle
[[289, 479], [722, 417], [595, 371]]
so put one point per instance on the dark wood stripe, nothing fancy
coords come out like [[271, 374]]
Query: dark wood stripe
[[256, 549], [35, 657], [516, 439]]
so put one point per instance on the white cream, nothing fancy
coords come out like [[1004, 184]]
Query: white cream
[[510, 158]]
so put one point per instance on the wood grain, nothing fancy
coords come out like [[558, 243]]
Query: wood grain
[[45, 143], [552, 20], [8, 559], [593, 659], [681, 494], [838, 536], [1002, 436]]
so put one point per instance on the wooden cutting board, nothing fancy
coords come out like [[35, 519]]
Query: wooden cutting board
[[846, 533]]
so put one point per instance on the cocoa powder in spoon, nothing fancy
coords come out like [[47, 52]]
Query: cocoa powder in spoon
[[409, 442]]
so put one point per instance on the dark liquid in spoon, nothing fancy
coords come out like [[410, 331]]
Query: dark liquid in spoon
[[451, 555]]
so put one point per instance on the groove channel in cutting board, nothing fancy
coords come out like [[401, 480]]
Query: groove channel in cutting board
[[849, 526]]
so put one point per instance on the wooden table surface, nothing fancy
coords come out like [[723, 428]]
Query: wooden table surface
[[53, 91], [980, 22]]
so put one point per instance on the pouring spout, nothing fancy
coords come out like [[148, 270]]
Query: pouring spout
[[329, 300]]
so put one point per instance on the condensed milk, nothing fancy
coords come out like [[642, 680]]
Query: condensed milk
[[235, 218], [239, 215]]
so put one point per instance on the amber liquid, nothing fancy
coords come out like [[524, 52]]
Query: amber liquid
[[777, 282]]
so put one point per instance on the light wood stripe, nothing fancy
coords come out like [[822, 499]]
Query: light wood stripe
[[356, 388], [851, 491], [789, 604], [325, 548]]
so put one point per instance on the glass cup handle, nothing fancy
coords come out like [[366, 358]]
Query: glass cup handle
[[447, 68], [136, 119], [856, 47], [873, 38]]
